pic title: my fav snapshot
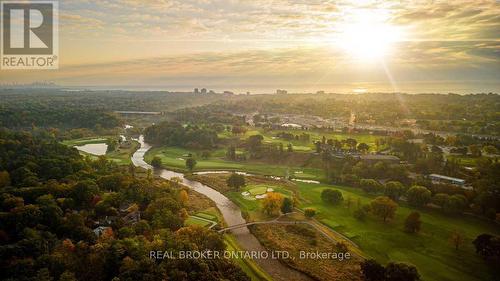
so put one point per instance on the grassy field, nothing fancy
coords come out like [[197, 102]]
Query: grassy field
[[175, 157], [196, 221], [430, 250], [269, 137], [84, 141], [247, 265]]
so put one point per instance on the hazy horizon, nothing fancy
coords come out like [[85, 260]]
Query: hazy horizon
[[259, 46]]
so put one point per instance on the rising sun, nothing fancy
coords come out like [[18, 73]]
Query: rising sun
[[366, 36]]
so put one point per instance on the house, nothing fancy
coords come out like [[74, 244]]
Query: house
[[98, 231], [448, 180]]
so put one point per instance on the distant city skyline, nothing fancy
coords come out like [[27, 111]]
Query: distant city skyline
[[260, 46]]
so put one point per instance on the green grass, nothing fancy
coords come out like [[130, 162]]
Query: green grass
[[174, 157], [84, 141], [207, 216], [257, 189], [196, 221], [430, 250], [247, 265]]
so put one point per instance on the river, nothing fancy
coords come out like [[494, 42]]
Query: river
[[231, 213]]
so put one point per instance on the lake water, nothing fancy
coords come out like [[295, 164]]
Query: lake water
[[97, 149]]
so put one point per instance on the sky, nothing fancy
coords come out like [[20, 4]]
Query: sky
[[263, 45]]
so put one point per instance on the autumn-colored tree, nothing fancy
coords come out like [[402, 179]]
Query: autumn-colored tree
[[183, 197], [309, 212], [456, 239], [272, 203], [384, 207], [4, 179], [413, 222]]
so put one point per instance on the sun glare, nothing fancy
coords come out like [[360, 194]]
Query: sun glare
[[366, 36]]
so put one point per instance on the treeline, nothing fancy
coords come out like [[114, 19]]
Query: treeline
[[29, 159], [476, 114], [97, 221], [209, 114], [175, 134], [64, 118]]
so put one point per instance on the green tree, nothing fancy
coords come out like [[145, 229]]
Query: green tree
[[455, 204], [413, 223], [190, 163], [440, 199], [236, 181], [363, 147], [83, 193], [394, 190], [372, 270], [287, 205], [490, 149], [401, 272], [370, 185], [332, 196], [384, 207], [156, 162], [418, 196]]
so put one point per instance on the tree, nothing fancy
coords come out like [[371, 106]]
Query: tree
[[490, 149], [456, 239], [236, 181], [351, 143], [272, 203], [394, 190], [190, 163], [363, 147], [332, 196], [83, 193], [309, 212], [418, 196], [401, 272], [359, 214], [372, 270], [440, 199], [370, 185], [413, 222], [231, 153], [183, 196], [455, 204], [156, 162], [287, 205], [4, 179], [475, 150], [384, 207], [487, 246]]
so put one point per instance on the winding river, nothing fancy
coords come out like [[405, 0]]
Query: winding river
[[230, 212]]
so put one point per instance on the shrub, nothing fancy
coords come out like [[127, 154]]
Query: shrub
[[332, 196], [310, 212]]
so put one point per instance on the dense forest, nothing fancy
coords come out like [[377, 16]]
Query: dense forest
[[175, 134], [84, 219]]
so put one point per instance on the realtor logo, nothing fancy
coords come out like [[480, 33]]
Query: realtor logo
[[30, 38]]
